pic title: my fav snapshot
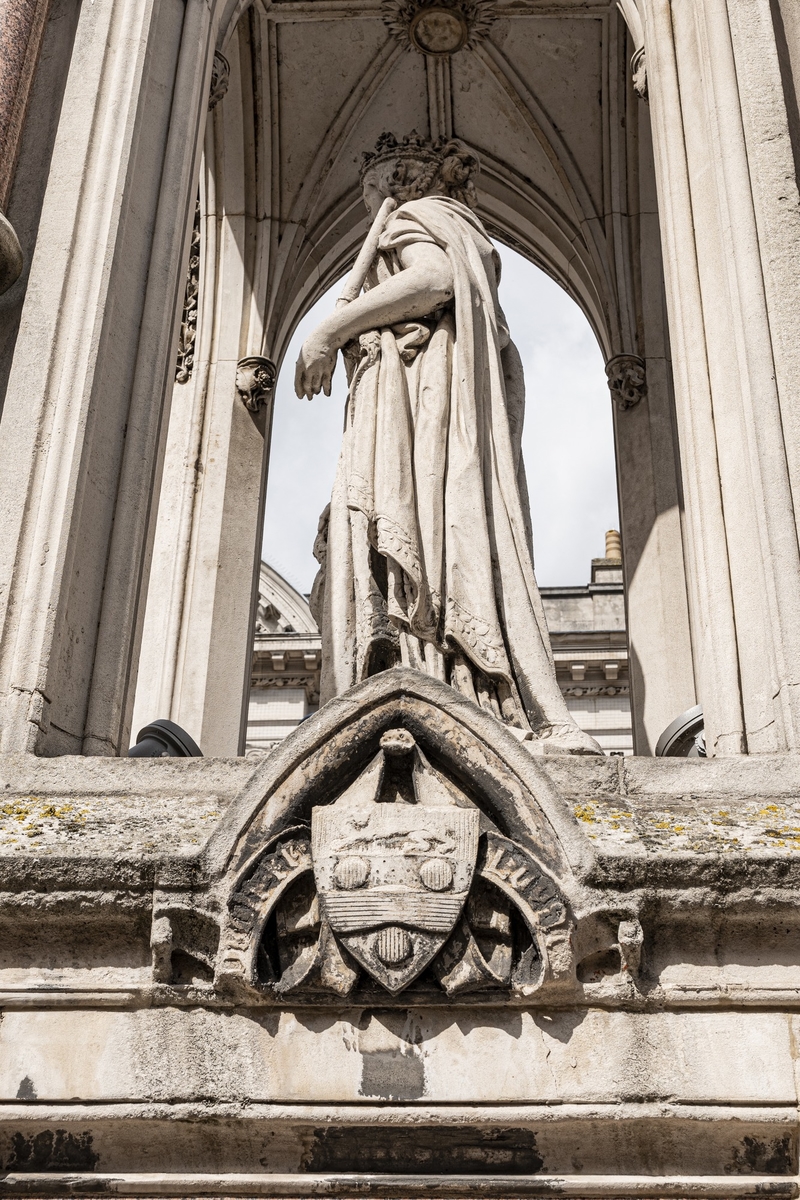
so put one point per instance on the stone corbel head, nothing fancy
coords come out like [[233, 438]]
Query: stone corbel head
[[255, 381], [627, 380]]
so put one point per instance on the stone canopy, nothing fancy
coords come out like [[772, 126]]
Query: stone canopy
[[408, 953]]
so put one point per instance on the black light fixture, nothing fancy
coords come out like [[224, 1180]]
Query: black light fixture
[[684, 737], [164, 739]]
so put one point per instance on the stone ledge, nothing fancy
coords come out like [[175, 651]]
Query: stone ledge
[[111, 818], [120, 876], [401, 1187], [99, 822]]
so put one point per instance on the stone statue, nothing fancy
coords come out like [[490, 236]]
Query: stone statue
[[425, 549]]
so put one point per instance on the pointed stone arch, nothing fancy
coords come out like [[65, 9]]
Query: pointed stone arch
[[331, 749], [569, 205], [267, 858]]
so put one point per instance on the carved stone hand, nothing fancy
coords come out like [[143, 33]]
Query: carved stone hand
[[315, 366]]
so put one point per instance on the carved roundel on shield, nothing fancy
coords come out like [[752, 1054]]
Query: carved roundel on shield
[[392, 881]]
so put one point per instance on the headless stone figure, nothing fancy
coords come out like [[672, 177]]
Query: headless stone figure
[[425, 549]]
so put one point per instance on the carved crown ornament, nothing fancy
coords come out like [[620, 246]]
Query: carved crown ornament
[[393, 853], [439, 27]]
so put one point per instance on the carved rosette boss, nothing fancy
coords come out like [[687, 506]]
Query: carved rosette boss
[[255, 381], [627, 380], [439, 27]]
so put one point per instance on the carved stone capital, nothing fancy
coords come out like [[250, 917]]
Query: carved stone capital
[[627, 380], [639, 72], [220, 75], [255, 380]]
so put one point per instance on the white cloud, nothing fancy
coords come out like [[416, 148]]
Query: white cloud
[[567, 442]]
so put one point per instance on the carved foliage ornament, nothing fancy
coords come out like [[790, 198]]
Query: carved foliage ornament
[[220, 78], [188, 333], [400, 881], [439, 27], [627, 380], [639, 72]]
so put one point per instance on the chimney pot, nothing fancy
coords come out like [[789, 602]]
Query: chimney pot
[[614, 545]]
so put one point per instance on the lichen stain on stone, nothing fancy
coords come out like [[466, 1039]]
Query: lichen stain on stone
[[52, 1150], [754, 1157], [392, 1075], [31, 817], [693, 826], [448, 1150]]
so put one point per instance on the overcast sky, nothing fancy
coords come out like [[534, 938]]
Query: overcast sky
[[567, 443]]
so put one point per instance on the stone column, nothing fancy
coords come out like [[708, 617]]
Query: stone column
[[730, 218], [648, 467], [22, 25], [81, 430], [198, 634]]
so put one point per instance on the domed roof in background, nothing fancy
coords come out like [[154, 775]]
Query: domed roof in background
[[281, 608]]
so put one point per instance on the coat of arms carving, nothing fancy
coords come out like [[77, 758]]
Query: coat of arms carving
[[393, 880], [400, 882]]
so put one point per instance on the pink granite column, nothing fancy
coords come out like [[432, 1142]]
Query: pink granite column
[[21, 27]]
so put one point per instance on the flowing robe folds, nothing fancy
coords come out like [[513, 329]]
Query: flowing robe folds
[[426, 550]]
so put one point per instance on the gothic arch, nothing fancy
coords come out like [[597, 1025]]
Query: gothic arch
[[418, 784], [89, 393], [547, 211], [280, 172]]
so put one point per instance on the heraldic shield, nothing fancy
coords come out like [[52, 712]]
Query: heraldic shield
[[392, 880]]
